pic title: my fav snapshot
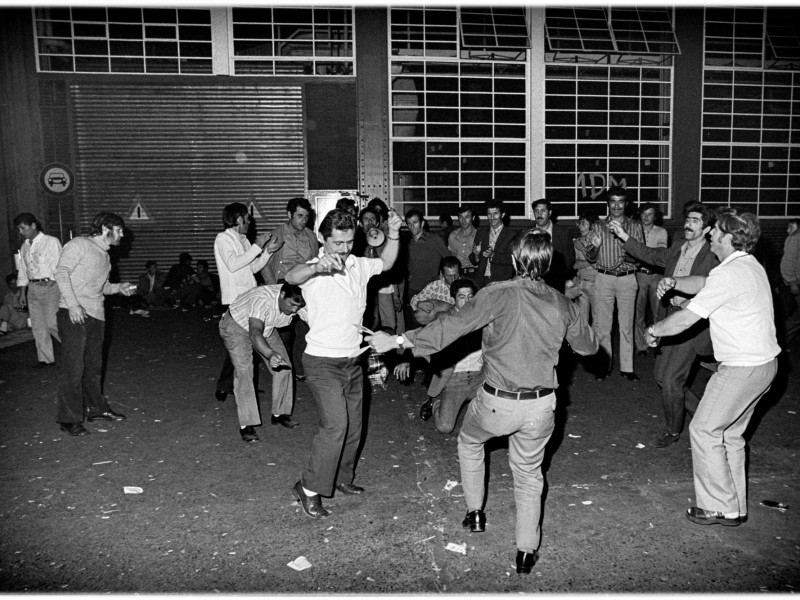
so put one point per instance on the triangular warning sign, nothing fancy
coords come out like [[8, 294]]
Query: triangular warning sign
[[138, 212], [253, 210]]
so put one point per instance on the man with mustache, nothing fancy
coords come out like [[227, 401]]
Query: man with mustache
[[689, 256], [335, 290]]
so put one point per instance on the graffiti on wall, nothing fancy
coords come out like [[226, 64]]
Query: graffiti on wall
[[591, 185]]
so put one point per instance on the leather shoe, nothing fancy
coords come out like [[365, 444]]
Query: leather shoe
[[349, 488], [249, 434], [284, 420], [312, 505], [475, 521], [108, 415], [300, 378], [708, 517], [220, 395], [426, 410], [41, 365], [629, 376], [526, 560], [74, 428], [665, 439]]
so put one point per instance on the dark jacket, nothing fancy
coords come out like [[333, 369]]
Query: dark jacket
[[563, 258], [502, 267], [668, 258]]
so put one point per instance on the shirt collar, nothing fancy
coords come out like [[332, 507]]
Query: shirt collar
[[733, 256]]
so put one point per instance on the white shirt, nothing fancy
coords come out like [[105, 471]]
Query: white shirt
[[39, 258], [737, 301], [471, 362], [236, 260], [335, 303]]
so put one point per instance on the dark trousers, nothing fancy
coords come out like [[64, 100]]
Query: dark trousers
[[673, 364], [293, 337], [337, 385], [80, 368], [225, 379]]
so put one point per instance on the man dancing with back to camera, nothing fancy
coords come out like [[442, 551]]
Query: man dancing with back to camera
[[527, 318]]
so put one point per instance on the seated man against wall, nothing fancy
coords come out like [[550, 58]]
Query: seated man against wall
[[12, 314], [150, 287], [250, 324], [207, 285]]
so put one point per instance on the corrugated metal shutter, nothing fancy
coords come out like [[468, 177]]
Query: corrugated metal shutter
[[182, 153]]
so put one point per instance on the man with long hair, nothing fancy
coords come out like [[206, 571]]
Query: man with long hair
[[523, 317]]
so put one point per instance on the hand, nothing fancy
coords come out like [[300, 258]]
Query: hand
[[665, 285], [652, 340], [397, 302], [488, 252], [476, 249], [402, 371], [594, 239], [794, 288], [395, 223], [425, 305], [382, 342], [274, 246], [77, 315], [276, 361], [263, 239], [23, 301], [127, 289], [618, 230], [328, 263]]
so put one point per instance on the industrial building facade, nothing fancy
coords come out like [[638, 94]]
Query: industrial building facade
[[164, 115]]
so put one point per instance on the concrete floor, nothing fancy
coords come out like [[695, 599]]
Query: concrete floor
[[217, 515]]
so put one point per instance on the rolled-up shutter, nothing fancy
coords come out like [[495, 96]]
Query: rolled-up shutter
[[168, 158]]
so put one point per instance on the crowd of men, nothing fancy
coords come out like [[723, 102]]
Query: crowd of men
[[363, 285]]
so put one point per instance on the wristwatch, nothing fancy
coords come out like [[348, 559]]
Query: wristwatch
[[399, 341]]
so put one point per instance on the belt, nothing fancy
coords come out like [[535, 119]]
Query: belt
[[469, 270], [521, 395], [644, 270], [39, 280], [615, 273]]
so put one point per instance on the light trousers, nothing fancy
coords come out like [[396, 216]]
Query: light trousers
[[717, 434], [609, 290], [529, 424], [240, 349], [42, 309]]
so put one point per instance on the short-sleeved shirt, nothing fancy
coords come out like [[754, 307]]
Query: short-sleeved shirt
[[260, 303], [335, 303], [737, 301]]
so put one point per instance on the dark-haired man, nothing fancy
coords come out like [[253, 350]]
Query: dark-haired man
[[737, 300], [39, 256], [523, 317], [335, 290], [462, 239], [82, 278], [237, 260], [250, 324], [563, 249], [491, 253], [615, 283], [688, 256], [299, 245], [425, 252]]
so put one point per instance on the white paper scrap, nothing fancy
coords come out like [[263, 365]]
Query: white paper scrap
[[450, 485], [299, 564], [132, 489], [586, 502], [460, 548], [573, 436], [640, 445]]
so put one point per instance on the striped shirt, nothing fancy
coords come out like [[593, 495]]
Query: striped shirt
[[260, 303], [611, 256]]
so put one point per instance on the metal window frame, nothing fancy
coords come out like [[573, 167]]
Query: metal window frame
[[424, 57]]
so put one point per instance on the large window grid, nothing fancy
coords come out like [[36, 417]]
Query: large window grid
[[123, 40], [459, 115], [607, 125], [751, 119], [292, 41]]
